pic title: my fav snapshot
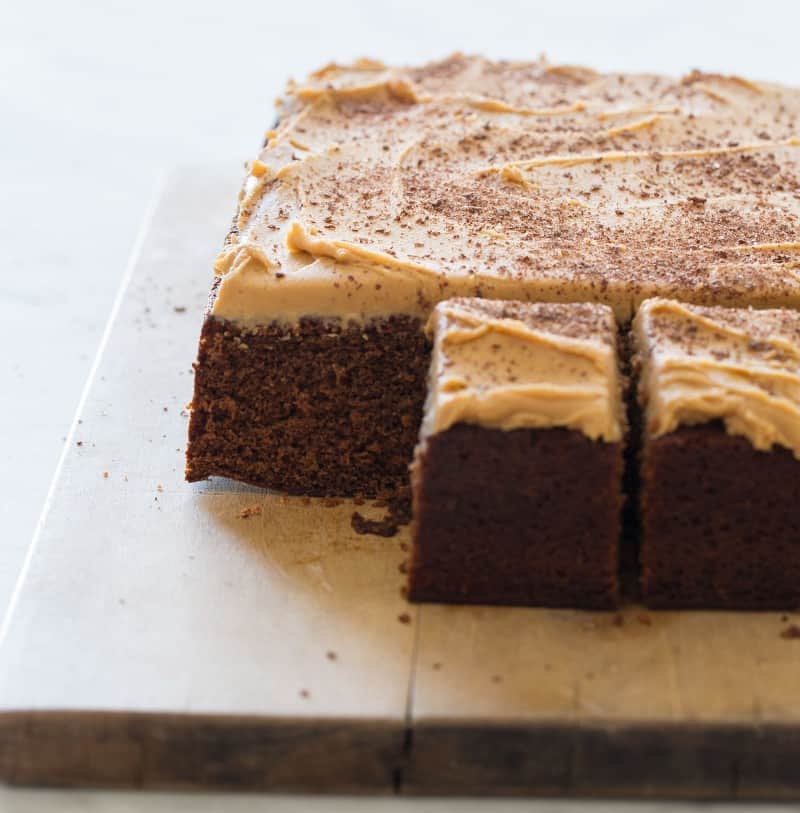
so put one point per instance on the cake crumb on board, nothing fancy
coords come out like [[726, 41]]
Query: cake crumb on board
[[398, 514], [377, 527], [250, 511]]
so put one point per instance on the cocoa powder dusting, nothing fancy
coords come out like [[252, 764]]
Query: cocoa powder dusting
[[597, 186]]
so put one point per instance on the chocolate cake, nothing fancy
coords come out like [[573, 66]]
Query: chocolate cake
[[518, 473], [720, 476], [383, 191]]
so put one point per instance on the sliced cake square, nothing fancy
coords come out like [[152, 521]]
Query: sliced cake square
[[720, 475], [517, 476]]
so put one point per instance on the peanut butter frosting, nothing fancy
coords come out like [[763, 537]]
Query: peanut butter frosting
[[386, 190], [511, 365], [739, 366]]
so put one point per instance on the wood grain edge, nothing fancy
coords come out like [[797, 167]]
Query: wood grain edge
[[678, 761], [191, 752], [184, 752]]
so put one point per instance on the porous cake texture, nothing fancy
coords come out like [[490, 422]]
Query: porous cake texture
[[383, 191], [720, 477], [517, 478]]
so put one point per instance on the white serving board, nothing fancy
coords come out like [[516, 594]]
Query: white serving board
[[158, 638]]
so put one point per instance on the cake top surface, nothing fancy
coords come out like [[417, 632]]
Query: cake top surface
[[511, 365], [740, 366], [385, 190]]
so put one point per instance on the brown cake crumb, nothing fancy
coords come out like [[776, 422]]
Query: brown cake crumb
[[792, 632], [250, 511], [378, 527], [305, 694], [331, 655], [397, 515], [105, 474], [644, 619], [404, 618]]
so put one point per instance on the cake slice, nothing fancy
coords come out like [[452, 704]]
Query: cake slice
[[517, 476], [720, 476]]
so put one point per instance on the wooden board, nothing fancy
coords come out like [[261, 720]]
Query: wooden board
[[159, 638]]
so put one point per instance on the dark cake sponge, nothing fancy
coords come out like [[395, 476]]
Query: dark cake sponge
[[319, 408], [720, 522], [527, 516]]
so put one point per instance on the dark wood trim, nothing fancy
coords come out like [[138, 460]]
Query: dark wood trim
[[169, 751], [683, 761]]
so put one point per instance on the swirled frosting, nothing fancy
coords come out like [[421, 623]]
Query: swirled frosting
[[739, 366], [385, 190], [509, 365]]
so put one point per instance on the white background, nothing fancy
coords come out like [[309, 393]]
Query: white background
[[97, 99]]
